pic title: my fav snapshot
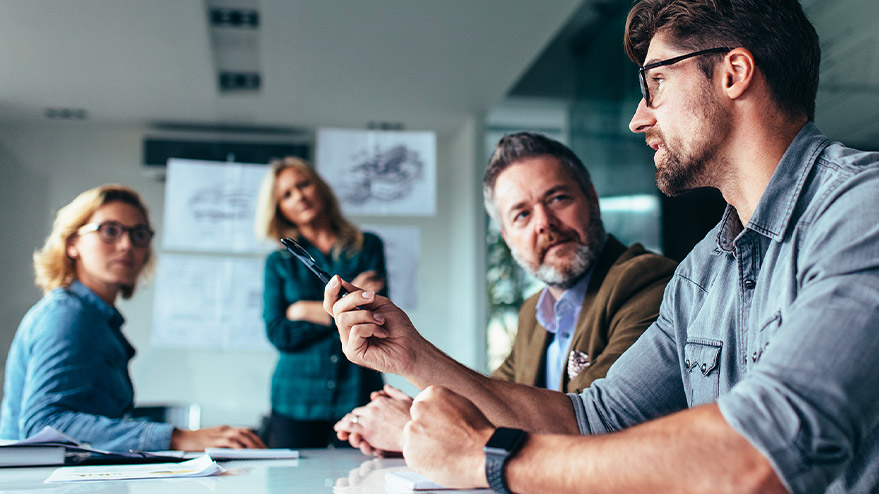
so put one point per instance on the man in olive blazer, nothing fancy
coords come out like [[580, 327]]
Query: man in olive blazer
[[621, 300], [541, 196]]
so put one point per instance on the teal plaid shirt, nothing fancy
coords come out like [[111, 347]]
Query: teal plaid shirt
[[313, 380]]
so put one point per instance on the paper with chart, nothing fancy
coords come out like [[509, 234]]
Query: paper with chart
[[402, 245], [210, 206], [198, 467], [379, 172], [209, 302]]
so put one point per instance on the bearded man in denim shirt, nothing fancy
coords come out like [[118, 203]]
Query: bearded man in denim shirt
[[759, 375]]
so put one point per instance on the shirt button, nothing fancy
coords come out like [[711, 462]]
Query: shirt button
[[704, 368], [750, 284], [334, 358], [754, 357], [687, 363], [331, 384]]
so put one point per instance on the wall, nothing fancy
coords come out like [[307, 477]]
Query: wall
[[45, 166]]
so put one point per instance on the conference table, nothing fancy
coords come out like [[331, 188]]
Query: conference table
[[338, 471]]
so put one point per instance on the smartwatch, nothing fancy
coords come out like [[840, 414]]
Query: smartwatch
[[502, 445]]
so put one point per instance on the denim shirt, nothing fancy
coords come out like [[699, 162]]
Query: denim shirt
[[68, 368], [776, 322]]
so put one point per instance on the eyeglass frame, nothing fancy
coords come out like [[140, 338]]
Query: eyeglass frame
[[96, 227], [642, 70]]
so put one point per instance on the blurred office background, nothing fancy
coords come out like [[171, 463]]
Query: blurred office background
[[85, 84]]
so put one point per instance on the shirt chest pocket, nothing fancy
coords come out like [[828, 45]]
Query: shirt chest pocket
[[702, 370], [760, 341]]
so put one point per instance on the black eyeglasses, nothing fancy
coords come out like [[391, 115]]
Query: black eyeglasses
[[642, 71], [111, 231]]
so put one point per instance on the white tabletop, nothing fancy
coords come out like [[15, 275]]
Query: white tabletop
[[338, 471]]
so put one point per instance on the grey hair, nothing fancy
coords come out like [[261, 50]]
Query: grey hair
[[523, 145]]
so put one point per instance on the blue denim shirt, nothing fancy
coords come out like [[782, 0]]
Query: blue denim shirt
[[68, 368], [777, 322]]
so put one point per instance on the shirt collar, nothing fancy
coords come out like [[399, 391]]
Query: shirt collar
[[776, 206], [547, 305], [114, 317]]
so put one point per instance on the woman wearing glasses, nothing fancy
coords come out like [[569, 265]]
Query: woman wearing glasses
[[314, 385], [68, 364]]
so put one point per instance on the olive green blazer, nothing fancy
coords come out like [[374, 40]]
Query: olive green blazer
[[621, 301]]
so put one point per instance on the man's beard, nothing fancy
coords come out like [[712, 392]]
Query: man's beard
[[698, 166], [576, 265]]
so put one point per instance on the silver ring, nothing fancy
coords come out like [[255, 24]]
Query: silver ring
[[355, 419]]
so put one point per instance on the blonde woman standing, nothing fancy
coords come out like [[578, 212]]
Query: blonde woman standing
[[314, 385], [68, 364]]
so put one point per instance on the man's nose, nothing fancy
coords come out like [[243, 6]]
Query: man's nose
[[642, 119], [544, 220]]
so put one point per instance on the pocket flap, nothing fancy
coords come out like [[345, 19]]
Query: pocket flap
[[702, 354]]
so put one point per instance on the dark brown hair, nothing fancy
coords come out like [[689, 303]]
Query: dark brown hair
[[783, 41]]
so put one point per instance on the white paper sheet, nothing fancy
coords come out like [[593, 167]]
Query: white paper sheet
[[402, 247], [379, 172], [198, 467], [209, 302], [210, 206]]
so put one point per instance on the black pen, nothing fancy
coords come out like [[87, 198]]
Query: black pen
[[300, 253]]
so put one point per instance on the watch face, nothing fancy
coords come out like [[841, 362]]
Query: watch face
[[504, 441]]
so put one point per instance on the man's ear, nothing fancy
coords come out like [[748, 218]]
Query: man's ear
[[593, 196], [738, 72]]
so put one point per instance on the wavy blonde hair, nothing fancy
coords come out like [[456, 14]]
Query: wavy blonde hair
[[270, 221], [53, 267]]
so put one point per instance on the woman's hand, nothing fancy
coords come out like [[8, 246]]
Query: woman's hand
[[369, 281], [223, 436], [377, 427]]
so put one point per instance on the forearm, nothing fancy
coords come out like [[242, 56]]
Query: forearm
[[308, 311], [103, 432], [691, 451], [503, 403], [292, 336]]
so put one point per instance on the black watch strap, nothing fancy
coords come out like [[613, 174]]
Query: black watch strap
[[494, 472], [504, 443]]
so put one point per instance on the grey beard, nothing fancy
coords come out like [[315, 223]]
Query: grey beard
[[583, 259]]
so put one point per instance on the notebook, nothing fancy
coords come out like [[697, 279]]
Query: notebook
[[24, 455], [229, 454]]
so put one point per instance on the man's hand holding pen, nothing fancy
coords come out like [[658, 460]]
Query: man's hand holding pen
[[374, 332]]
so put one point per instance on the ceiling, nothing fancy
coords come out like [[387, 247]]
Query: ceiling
[[410, 63]]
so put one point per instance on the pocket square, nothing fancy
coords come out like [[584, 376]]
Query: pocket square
[[577, 361]]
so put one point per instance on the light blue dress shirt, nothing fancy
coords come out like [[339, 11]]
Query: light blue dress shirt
[[777, 322], [68, 368], [559, 317]]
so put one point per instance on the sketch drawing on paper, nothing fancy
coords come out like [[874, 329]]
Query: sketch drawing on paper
[[381, 174], [215, 204]]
